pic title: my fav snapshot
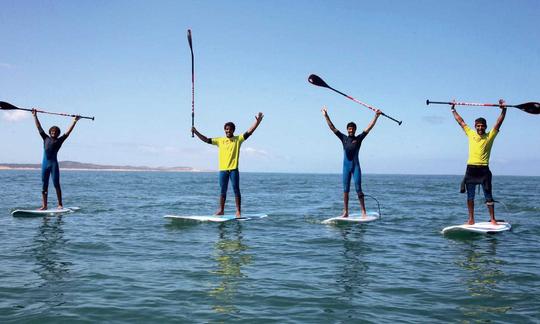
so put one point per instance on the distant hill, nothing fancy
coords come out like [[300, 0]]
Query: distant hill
[[71, 165]]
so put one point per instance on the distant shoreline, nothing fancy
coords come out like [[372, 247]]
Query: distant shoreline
[[78, 166], [2, 168]]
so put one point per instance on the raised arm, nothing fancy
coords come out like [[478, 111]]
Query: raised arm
[[201, 136], [500, 120], [328, 121], [253, 127], [374, 121], [70, 129], [38, 124], [457, 117]]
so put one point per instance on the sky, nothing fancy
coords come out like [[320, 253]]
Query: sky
[[128, 64]]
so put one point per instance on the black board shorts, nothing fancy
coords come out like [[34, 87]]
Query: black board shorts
[[477, 174]]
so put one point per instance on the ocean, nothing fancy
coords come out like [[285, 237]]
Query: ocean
[[117, 260]]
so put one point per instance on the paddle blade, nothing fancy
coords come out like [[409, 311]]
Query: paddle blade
[[530, 107], [189, 39], [316, 80], [7, 106]]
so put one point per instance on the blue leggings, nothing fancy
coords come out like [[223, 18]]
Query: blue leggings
[[48, 168], [471, 188], [352, 170], [224, 177]]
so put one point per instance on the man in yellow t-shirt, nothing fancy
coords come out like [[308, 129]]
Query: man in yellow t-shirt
[[229, 154], [480, 143]]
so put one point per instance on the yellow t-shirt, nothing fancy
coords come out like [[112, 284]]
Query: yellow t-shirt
[[479, 146], [229, 151]]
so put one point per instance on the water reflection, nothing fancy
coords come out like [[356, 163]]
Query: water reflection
[[483, 273], [230, 255], [352, 274], [48, 243]]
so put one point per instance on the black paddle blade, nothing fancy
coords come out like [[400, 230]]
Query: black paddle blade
[[7, 106], [189, 38], [316, 80], [530, 107]]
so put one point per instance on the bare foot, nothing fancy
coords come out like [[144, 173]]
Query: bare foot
[[493, 222], [42, 208], [364, 215], [470, 222], [219, 213], [60, 207], [345, 214], [238, 215]]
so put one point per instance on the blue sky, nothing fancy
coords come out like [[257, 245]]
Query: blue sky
[[128, 64]]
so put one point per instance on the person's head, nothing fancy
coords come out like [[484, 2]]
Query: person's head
[[54, 131], [351, 128], [229, 129], [480, 124]]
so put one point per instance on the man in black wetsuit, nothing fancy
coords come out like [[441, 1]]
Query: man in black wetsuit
[[351, 165], [49, 166]]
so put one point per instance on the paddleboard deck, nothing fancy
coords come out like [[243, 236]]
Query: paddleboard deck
[[213, 218], [41, 213], [353, 218], [481, 227]]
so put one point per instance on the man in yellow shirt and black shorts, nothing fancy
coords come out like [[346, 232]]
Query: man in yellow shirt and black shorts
[[480, 143], [229, 154]]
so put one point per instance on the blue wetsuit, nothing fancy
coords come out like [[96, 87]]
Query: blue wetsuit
[[351, 164], [50, 162]]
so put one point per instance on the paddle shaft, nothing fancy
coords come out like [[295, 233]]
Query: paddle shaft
[[48, 112], [528, 107], [363, 104], [466, 104], [192, 82]]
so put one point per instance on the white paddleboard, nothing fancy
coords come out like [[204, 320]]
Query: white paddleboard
[[214, 218], [482, 227], [46, 212], [353, 218]]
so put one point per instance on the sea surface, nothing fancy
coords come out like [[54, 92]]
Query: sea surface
[[118, 260]]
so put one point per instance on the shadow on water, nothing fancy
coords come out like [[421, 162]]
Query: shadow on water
[[47, 245], [177, 224], [230, 255], [483, 273]]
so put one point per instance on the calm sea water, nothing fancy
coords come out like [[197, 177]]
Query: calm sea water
[[118, 260]]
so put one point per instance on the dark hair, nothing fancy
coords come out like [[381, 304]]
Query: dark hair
[[231, 125], [480, 121], [54, 127], [351, 124]]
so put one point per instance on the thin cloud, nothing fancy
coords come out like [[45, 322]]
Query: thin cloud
[[15, 116], [6, 66], [255, 152], [170, 150], [434, 119], [160, 149]]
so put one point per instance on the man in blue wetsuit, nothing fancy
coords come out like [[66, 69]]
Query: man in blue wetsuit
[[351, 165], [49, 166]]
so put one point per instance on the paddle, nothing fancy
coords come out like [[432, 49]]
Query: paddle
[[529, 107], [192, 81], [7, 106], [316, 80]]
